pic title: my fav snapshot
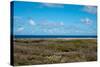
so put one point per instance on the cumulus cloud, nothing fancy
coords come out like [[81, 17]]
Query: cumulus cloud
[[55, 31], [20, 29], [90, 9], [32, 22], [51, 31], [79, 31], [18, 19], [52, 24], [53, 5], [61, 23], [87, 21]]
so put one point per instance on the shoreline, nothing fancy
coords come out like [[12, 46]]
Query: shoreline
[[54, 38]]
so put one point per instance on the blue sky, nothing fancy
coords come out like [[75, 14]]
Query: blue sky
[[32, 18]]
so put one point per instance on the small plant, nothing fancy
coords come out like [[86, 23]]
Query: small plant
[[31, 51]]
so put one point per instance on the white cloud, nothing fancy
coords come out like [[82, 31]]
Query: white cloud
[[61, 23], [90, 9], [18, 19], [45, 30], [87, 21], [20, 29], [79, 31], [32, 22], [50, 31], [55, 31], [53, 5], [52, 24]]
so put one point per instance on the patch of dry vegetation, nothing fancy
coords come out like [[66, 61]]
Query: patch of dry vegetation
[[29, 52]]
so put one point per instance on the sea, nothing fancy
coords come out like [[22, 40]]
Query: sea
[[54, 36]]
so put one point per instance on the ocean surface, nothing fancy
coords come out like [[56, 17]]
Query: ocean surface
[[53, 36]]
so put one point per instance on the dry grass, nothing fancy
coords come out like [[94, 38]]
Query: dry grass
[[48, 51]]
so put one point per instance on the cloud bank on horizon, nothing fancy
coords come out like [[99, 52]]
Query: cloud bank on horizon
[[32, 18]]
